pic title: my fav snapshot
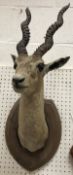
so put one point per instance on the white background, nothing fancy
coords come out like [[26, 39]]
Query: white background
[[44, 13]]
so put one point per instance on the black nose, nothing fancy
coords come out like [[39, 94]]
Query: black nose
[[18, 80]]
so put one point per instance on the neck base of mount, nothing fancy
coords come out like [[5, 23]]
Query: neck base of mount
[[26, 159]]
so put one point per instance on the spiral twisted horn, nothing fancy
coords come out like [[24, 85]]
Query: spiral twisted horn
[[42, 49], [21, 46]]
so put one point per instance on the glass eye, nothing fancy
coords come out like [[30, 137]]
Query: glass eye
[[40, 66]]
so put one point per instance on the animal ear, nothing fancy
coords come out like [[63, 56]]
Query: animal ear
[[14, 60], [13, 57], [57, 64]]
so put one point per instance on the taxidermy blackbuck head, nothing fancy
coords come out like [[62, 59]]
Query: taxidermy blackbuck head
[[30, 70]]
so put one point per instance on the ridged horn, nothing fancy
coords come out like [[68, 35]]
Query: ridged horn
[[21, 46], [43, 48]]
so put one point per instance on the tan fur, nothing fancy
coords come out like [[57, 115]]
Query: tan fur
[[32, 127]]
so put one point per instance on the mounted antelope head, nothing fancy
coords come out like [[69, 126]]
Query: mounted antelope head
[[28, 80], [31, 69]]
